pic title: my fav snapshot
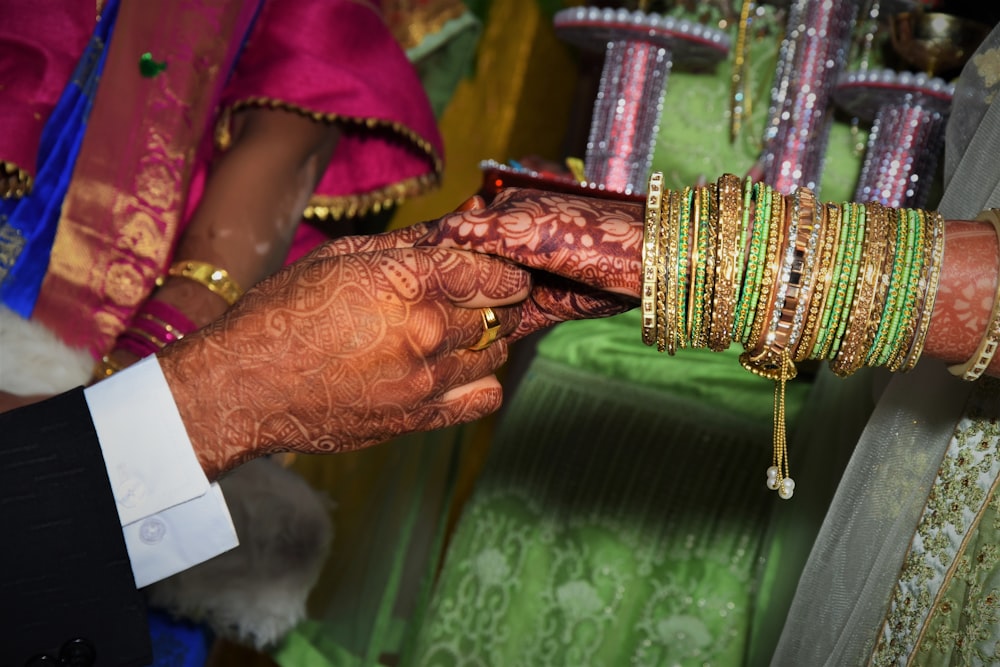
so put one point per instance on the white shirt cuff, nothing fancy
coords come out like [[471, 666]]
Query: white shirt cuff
[[172, 518]]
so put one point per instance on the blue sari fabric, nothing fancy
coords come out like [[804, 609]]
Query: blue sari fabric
[[27, 232], [178, 643], [28, 224]]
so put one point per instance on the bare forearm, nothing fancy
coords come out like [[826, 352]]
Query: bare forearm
[[252, 204]]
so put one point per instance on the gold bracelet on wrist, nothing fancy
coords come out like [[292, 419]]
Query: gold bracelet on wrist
[[215, 279], [729, 253], [105, 368], [670, 209], [651, 229]]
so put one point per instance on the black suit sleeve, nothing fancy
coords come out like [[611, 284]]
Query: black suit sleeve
[[64, 571]]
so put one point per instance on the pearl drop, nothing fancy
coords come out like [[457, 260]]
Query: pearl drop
[[772, 478]]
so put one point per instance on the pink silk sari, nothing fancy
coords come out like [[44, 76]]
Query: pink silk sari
[[150, 139]]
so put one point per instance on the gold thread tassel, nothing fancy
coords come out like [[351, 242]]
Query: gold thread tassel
[[780, 368]]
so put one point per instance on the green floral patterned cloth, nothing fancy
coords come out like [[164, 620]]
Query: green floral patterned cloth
[[622, 518]]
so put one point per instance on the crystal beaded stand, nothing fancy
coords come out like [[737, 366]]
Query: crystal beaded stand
[[640, 50], [908, 113], [812, 56]]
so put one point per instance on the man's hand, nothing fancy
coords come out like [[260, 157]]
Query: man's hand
[[341, 351]]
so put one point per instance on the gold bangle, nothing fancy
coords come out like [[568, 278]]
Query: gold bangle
[[729, 252], [677, 249], [650, 232], [880, 296], [105, 368], [929, 284], [695, 258], [851, 355], [772, 267], [981, 358], [822, 281], [145, 335], [710, 204], [813, 220], [669, 211], [169, 328], [796, 271], [215, 279]]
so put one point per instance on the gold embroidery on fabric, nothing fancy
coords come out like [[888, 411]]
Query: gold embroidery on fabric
[[87, 284], [140, 236], [412, 21], [11, 245], [156, 177], [964, 627], [988, 65], [937, 555], [124, 284], [14, 181]]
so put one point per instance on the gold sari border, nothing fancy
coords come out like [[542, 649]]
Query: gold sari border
[[322, 208], [223, 138]]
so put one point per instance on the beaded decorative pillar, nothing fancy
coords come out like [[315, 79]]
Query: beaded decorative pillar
[[908, 114], [640, 50], [812, 56]]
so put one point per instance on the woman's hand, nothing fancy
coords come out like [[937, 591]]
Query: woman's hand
[[590, 241], [588, 250], [337, 352]]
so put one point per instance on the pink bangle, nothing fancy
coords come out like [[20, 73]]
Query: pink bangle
[[156, 325], [129, 341], [170, 318]]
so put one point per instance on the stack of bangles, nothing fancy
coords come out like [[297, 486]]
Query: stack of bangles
[[790, 279], [158, 323]]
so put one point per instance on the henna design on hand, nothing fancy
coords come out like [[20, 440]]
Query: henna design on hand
[[586, 251], [337, 352], [965, 292], [594, 242]]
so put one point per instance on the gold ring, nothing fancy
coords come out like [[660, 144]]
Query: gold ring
[[491, 329]]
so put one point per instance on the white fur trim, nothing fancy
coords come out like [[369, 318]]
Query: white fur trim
[[34, 361], [257, 592]]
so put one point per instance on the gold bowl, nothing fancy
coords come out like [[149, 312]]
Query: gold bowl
[[934, 42]]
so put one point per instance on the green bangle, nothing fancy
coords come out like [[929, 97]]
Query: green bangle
[[750, 293], [887, 336], [896, 249], [748, 190], [683, 261], [826, 317], [929, 288], [842, 307], [914, 278]]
